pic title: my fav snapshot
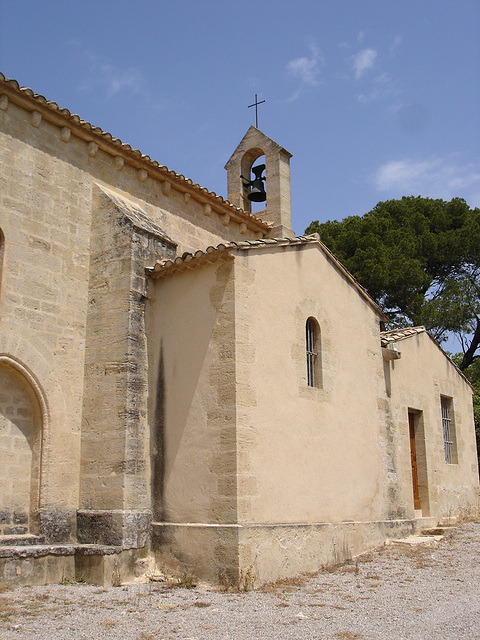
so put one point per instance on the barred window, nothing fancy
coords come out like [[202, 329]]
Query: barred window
[[448, 424], [312, 343]]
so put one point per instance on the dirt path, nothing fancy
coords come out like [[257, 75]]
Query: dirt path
[[398, 592]]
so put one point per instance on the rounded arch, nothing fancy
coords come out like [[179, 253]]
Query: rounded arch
[[14, 363], [249, 158], [52, 395], [19, 352], [22, 413]]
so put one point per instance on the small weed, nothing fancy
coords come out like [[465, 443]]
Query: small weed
[[187, 581], [201, 604], [224, 580], [347, 635], [116, 582], [247, 579]]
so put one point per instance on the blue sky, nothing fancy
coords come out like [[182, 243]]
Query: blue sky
[[374, 99]]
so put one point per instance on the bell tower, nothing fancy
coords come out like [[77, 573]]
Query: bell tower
[[242, 189]]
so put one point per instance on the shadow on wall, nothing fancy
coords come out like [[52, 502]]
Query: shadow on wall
[[190, 333], [158, 444]]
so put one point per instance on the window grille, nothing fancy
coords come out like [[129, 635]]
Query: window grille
[[447, 430], [310, 335]]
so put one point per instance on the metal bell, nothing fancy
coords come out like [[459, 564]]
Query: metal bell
[[257, 189]]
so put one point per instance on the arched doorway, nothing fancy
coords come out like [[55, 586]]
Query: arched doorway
[[20, 452]]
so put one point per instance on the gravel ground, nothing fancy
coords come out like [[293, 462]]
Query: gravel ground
[[421, 592]]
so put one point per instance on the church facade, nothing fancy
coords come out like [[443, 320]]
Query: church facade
[[187, 384]]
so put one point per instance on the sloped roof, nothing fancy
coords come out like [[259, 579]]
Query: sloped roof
[[63, 117], [137, 216], [261, 139], [165, 268], [395, 335]]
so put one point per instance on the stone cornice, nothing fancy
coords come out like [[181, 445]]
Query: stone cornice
[[71, 124]]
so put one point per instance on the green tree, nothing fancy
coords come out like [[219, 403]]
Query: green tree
[[420, 259], [473, 374]]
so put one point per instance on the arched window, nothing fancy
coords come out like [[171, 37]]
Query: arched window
[[312, 344]]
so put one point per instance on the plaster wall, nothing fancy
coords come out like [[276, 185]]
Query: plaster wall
[[416, 382], [192, 402], [305, 455]]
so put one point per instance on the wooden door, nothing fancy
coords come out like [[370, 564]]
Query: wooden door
[[416, 495]]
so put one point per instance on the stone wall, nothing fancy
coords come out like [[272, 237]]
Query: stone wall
[[45, 218], [81, 216]]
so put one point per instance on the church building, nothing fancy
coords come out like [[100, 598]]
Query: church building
[[186, 386]]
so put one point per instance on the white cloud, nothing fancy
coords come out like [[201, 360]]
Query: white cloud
[[435, 177], [395, 43], [119, 81], [306, 69], [105, 77], [382, 87], [363, 61]]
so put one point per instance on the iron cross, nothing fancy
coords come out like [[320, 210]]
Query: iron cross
[[255, 104]]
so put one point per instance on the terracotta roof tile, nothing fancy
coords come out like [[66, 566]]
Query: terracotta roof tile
[[164, 268], [395, 335]]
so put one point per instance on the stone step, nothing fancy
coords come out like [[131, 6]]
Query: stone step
[[21, 540], [23, 551], [437, 531]]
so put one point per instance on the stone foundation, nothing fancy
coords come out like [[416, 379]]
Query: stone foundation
[[127, 529], [257, 554], [35, 565]]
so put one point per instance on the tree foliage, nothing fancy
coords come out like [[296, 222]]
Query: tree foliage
[[420, 259], [473, 374]]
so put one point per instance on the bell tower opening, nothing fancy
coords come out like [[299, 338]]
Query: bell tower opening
[[253, 177], [259, 172]]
